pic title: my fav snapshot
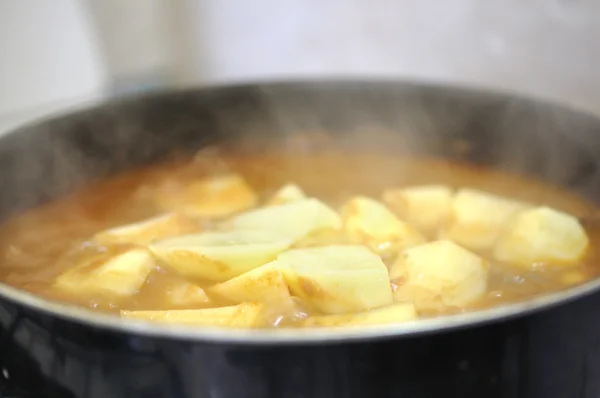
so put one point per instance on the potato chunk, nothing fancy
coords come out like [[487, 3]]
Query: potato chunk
[[262, 284], [144, 232], [542, 235], [121, 275], [394, 313], [287, 194], [369, 222], [478, 217], [337, 279], [293, 220], [219, 256], [213, 197], [425, 207], [439, 272], [238, 316]]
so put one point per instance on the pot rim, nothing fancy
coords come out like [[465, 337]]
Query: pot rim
[[287, 336]]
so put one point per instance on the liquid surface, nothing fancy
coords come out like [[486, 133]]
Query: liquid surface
[[39, 245]]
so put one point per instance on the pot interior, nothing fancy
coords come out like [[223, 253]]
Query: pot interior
[[518, 135]]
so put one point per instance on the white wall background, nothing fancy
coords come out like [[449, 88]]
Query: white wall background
[[549, 48], [48, 58], [60, 52], [136, 39]]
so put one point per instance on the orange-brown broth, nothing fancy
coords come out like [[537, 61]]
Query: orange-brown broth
[[38, 245]]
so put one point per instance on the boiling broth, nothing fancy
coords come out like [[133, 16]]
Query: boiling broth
[[40, 244]]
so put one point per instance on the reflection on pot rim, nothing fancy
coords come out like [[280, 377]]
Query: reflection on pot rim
[[296, 336]]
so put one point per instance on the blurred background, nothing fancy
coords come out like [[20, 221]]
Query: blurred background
[[64, 53]]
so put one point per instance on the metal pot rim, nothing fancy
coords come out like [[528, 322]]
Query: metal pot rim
[[289, 336]]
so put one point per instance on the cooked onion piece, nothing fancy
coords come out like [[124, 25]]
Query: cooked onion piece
[[213, 197], [478, 217], [573, 277], [394, 313], [121, 275], [369, 222], [244, 315], [287, 194], [144, 232], [439, 273], [542, 235], [262, 284], [184, 294], [426, 207], [337, 279], [292, 220], [324, 237], [219, 256], [289, 312]]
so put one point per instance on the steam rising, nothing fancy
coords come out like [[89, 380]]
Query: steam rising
[[518, 135], [523, 136]]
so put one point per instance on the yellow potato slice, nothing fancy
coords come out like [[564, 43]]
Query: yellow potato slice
[[213, 197], [238, 316], [144, 232], [287, 194], [262, 284], [439, 271], [369, 222], [293, 220], [542, 235], [337, 279], [478, 217], [121, 275], [219, 256], [426, 207], [394, 313]]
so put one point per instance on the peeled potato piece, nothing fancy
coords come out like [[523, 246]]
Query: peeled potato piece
[[425, 207], [394, 313], [293, 220], [337, 279], [262, 284], [478, 217], [219, 256], [144, 232], [542, 235], [185, 294], [238, 316], [439, 272], [369, 222], [213, 197], [121, 275], [287, 194]]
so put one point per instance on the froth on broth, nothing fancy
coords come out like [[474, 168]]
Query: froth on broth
[[305, 240]]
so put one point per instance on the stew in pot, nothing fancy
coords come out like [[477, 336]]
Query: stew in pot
[[284, 240]]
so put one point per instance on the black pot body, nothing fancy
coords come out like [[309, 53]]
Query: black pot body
[[552, 353]]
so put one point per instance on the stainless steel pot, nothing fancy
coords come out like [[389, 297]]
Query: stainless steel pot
[[546, 347]]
